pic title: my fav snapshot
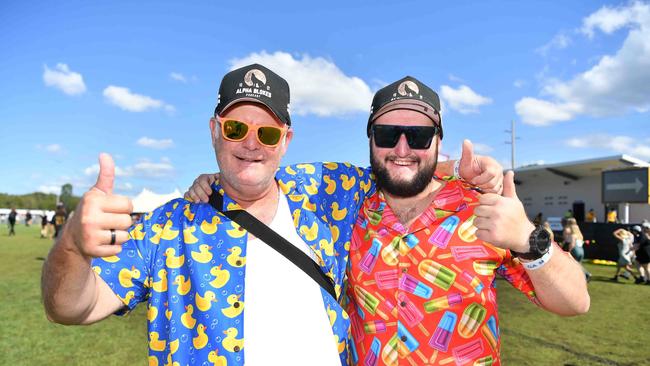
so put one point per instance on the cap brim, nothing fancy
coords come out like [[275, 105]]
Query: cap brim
[[253, 100], [410, 104]]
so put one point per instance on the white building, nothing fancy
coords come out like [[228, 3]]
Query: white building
[[552, 189]]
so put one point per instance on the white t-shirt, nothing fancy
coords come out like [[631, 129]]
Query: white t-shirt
[[285, 322]]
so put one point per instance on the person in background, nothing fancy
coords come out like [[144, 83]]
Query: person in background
[[547, 227], [59, 219], [625, 252], [642, 251], [591, 216], [612, 215], [43, 226], [28, 218], [12, 221], [574, 242]]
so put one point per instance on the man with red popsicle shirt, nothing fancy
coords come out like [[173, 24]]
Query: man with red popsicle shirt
[[425, 250]]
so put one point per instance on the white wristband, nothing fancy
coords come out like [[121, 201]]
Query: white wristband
[[457, 169], [539, 263]]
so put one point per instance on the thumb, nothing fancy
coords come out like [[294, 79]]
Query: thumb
[[509, 185], [106, 174]]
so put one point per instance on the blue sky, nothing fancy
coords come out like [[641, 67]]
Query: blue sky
[[139, 80]]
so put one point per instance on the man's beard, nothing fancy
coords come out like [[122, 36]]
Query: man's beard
[[402, 188]]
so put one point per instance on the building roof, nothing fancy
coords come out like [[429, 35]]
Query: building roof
[[584, 168]]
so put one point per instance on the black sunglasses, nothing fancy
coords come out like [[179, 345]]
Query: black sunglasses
[[418, 137]]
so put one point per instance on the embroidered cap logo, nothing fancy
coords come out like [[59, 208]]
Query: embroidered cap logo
[[408, 88], [254, 77]]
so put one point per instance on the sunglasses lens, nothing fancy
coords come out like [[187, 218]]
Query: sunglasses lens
[[234, 130], [419, 137], [386, 136], [269, 135]]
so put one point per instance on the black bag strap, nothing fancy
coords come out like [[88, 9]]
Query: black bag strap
[[275, 241]]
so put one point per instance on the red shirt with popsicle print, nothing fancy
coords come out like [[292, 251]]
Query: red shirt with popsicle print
[[426, 294]]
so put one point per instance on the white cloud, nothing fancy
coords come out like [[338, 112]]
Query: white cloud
[[519, 83], [132, 102], [155, 144], [51, 148], [615, 85], [49, 189], [618, 144], [464, 99], [70, 82], [142, 169], [482, 149], [178, 77], [318, 86], [455, 78], [560, 41]]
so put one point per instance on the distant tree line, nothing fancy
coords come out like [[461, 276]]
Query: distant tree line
[[39, 200]]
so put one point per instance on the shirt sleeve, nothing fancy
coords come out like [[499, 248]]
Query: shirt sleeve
[[513, 271], [128, 274]]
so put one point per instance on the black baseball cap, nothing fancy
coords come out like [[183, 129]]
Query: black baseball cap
[[255, 83], [406, 93]]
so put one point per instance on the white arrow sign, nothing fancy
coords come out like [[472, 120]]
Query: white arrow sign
[[636, 186]]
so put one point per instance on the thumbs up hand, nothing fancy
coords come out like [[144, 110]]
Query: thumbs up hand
[[502, 220], [481, 171], [98, 214]]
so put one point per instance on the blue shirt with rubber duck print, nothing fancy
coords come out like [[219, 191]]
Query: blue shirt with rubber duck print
[[189, 261]]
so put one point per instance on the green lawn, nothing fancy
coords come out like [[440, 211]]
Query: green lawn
[[616, 331]]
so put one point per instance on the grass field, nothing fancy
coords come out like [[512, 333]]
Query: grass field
[[616, 331]]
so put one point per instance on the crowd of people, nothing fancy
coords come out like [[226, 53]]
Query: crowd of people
[[633, 253]]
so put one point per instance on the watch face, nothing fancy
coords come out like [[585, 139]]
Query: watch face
[[543, 240]]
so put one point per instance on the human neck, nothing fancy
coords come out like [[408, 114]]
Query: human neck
[[407, 209], [260, 202]]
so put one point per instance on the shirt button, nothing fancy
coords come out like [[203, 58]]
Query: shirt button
[[402, 304], [241, 228], [404, 270], [403, 338]]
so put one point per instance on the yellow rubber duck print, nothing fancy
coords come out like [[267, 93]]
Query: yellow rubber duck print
[[203, 255], [309, 168], [296, 217], [348, 182], [290, 170], [161, 284], [312, 188], [168, 311], [126, 276], [168, 233], [152, 361], [222, 276], [236, 231], [97, 269], [111, 259], [156, 228], [331, 314], [210, 228], [335, 233], [201, 338], [309, 233], [217, 360], [184, 285], [286, 187], [137, 232], [156, 344], [187, 319], [188, 235], [173, 346], [128, 297], [231, 343], [331, 185], [234, 258], [340, 346], [205, 303], [308, 205], [327, 247], [152, 312], [236, 307], [172, 260], [338, 214], [187, 212]]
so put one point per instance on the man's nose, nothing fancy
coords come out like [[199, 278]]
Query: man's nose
[[402, 148], [250, 142]]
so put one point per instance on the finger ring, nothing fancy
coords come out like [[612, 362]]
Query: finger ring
[[112, 236]]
